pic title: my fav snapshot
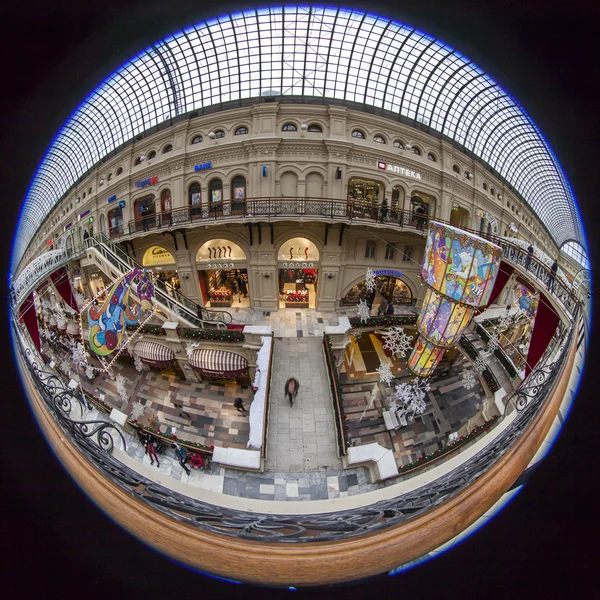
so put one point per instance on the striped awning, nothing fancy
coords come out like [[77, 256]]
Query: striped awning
[[218, 363], [154, 354]]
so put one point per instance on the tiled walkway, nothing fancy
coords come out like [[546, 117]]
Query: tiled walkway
[[302, 437]]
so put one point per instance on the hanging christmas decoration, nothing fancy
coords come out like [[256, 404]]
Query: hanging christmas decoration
[[137, 410], [89, 372], [65, 366], [480, 364], [79, 299], [120, 382], [138, 364], [189, 348], [408, 400], [468, 380], [385, 373], [370, 280], [493, 343], [397, 342], [79, 355], [460, 270], [363, 311]]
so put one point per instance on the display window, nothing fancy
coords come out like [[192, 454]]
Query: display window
[[165, 207], [238, 194], [389, 286], [96, 283], [144, 211], [115, 221], [215, 195], [223, 274], [298, 288], [364, 196], [162, 263]]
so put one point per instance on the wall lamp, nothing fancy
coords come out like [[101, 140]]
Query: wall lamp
[[266, 275], [330, 275]]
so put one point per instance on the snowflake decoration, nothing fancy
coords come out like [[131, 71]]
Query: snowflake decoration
[[480, 364], [79, 354], [409, 400], [137, 362], [65, 366], [468, 380], [79, 299], [120, 381], [397, 342], [385, 373], [505, 320], [493, 343], [189, 349], [89, 372], [138, 410], [370, 280], [363, 311]]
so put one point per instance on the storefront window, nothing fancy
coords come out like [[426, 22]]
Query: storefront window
[[165, 207], [238, 194], [365, 195], [144, 210], [194, 198], [298, 273], [393, 288], [397, 203], [115, 221]]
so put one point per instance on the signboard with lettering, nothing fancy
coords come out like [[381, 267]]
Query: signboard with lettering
[[387, 273], [112, 198], [145, 182], [397, 169], [202, 166]]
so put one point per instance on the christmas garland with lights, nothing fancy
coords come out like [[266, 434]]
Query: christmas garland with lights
[[211, 335], [151, 329], [336, 392], [461, 441], [390, 321]]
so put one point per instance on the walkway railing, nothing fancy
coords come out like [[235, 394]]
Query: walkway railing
[[529, 399], [336, 395]]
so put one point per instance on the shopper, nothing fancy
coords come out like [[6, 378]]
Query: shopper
[[420, 217], [151, 450], [384, 210], [371, 299], [291, 389], [382, 307], [390, 308], [239, 404], [552, 277], [181, 454], [529, 255]]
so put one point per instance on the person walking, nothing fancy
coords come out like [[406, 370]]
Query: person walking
[[151, 450], [181, 454], [239, 404], [552, 277], [420, 215], [382, 307], [384, 210], [371, 299], [291, 389], [390, 308]]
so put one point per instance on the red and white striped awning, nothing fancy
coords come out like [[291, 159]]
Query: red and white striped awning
[[154, 354], [218, 363]]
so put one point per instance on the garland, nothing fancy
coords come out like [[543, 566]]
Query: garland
[[448, 448], [151, 329], [336, 392], [390, 321], [213, 335]]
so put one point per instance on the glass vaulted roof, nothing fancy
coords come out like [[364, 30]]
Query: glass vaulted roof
[[328, 53]]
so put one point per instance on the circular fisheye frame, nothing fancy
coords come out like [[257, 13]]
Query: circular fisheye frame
[[330, 342]]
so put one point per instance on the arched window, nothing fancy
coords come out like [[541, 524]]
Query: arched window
[[289, 127], [109, 177], [416, 151], [167, 148], [379, 139], [84, 194], [89, 190], [485, 186], [238, 194], [151, 154], [456, 168], [289, 184], [194, 197], [119, 170], [196, 139], [219, 133], [241, 131], [215, 190], [398, 144], [357, 133], [314, 128], [431, 157]]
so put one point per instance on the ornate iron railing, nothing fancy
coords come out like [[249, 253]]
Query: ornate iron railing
[[295, 528]]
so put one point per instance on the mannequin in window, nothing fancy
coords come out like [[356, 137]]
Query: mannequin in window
[[209, 252], [229, 248], [306, 252], [291, 253], [224, 252]]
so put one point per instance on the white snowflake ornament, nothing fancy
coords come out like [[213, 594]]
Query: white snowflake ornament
[[480, 364], [137, 410], [468, 380], [363, 311], [397, 342], [189, 349], [370, 280], [493, 343], [120, 381], [137, 363], [385, 373], [89, 372]]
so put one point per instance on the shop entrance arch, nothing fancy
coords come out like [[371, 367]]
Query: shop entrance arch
[[298, 273], [388, 283]]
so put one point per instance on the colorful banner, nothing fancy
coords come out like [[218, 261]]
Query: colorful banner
[[108, 321]]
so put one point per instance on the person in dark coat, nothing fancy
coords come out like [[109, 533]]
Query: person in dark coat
[[384, 210], [243, 287], [291, 389], [529, 255], [552, 277], [181, 454], [371, 299], [239, 404], [382, 308], [390, 308]]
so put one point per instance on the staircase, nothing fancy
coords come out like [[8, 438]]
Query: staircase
[[110, 258]]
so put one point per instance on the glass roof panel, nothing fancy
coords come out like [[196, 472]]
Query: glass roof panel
[[315, 51]]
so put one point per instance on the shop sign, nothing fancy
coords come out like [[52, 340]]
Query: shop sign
[[201, 167], [396, 169], [112, 198], [121, 203], [67, 226], [387, 273], [220, 265], [83, 214], [296, 265], [145, 182]]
